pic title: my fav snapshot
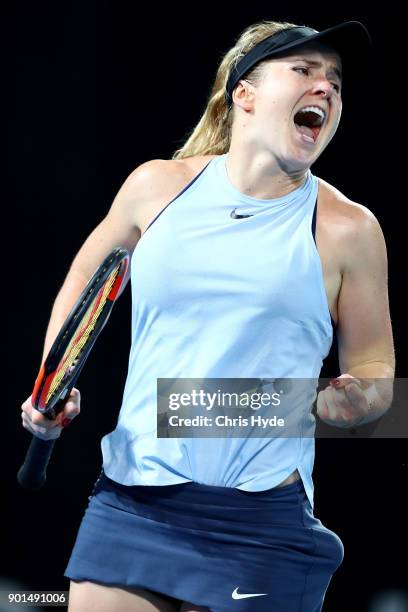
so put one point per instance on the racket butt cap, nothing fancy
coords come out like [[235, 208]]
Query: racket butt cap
[[29, 480]]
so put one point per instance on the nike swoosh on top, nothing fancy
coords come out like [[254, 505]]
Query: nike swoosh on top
[[236, 595], [234, 215]]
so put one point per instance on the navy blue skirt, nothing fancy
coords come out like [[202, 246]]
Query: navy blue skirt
[[218, 547]]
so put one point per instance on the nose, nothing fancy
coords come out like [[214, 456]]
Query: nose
[[323, 87]]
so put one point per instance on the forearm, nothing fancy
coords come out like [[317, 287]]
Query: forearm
[[377, 380], [70, 291]]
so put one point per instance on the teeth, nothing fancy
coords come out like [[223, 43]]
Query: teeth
[[314, 109]]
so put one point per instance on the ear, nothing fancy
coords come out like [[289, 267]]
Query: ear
[[244, 95]]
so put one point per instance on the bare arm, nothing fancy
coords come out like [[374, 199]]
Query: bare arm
[[365, 340], [120, 227], [365, 337]]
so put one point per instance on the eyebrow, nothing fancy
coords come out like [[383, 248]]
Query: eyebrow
[[318, 65]]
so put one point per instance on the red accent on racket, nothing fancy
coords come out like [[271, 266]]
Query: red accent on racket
[[68, 354]]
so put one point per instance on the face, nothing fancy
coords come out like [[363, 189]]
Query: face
[[307, 79]]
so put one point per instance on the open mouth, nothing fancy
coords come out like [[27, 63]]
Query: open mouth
[[309, 121]]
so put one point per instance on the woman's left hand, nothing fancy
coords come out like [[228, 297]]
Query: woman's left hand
[[343, 403]]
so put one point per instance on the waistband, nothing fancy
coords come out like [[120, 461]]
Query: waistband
[[195, 505]]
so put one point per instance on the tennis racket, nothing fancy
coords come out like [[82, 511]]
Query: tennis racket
[[68, 354]]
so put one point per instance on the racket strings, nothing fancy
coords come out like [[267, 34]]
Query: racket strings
[[80, 339]]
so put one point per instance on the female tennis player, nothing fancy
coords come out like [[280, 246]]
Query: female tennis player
[[243, 261]]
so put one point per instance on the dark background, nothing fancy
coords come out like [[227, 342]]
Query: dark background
[[95, 90]]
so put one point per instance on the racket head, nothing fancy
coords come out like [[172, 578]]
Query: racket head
[[78, 334]]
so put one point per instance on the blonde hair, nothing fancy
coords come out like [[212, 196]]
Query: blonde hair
[[212, 134]]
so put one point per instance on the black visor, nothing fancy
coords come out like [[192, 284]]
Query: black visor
[[350, 40]]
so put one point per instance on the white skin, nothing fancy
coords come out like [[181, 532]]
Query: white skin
[[275, 159], [267, 159], [266, 149], [47, 429]]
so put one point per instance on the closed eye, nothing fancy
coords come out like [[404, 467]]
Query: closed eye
[[306, 71]]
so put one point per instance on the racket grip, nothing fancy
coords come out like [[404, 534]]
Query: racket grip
[[33, 473]]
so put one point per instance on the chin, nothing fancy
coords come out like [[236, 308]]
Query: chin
[[300, 163]]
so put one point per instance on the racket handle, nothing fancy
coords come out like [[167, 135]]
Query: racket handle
[[33, 473]]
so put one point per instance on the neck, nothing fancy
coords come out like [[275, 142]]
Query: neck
[[258, 174]]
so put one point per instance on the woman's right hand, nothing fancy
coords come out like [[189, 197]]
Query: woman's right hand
[[47, 429]]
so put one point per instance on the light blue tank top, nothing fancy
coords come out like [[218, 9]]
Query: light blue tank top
[[220, 297]]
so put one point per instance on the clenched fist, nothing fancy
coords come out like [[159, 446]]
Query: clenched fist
[[344, 403]]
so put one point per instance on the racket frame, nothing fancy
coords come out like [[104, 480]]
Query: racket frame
[[118, 257]]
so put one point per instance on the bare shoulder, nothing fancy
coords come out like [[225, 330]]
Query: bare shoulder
[[342, 209], [351, 226], [156, 182], [165, 175]]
